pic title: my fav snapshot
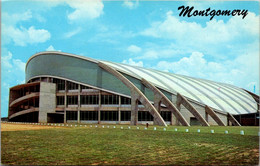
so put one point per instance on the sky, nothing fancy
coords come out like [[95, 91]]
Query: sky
[[150, 34]]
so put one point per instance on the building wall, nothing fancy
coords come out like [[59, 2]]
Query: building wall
[[117, 107], [47, 100], [49, 92]]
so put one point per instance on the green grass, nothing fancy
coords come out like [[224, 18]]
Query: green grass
[[108, 146]]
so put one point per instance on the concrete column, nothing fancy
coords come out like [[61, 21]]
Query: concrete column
[[206, 116], [79, 103], [157, 106], [215, 117], [233, 120], [157, 102], [119, 109], [134, 109], [65, 103], [178, 106], [182, 100], [99, 105], [47, 100]]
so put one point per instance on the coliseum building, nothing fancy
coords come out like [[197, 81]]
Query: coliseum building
[[64, 88]]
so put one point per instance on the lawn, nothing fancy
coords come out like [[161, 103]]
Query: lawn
[[109, 146]]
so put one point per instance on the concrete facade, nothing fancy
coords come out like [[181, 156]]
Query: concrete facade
[[47, 100]]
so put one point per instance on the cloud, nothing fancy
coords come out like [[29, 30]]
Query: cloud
[[72, 33], [154, 52], [223, 51], [214, 31], [134, 49], [19, 64], [16, 17], [130, 4], [5, 61], [149, 55], [12, 73], [51, 48], [22, 36], [186, 65], [9, 63], [19, 35], [211, 38], [133, 63], [89, 9], [40, 18], [240, 71]]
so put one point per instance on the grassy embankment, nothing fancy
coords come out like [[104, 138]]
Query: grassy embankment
[[86, 145]]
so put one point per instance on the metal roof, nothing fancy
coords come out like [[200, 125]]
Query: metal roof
[[224, 97]]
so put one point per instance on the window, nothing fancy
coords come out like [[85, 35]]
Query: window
[[60, 100], [72, 100], [125, 115], [166, 115], [144, 116], [109, 115], [36, 104], [113, 99], [89, 99], [88, 115], [125, 101], [85, 87], [37, 88], [72, 86], [71, 115], [60, 84], [109, 99]]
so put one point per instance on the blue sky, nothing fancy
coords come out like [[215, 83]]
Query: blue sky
[[144, 33]]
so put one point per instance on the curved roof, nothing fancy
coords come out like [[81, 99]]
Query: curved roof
[[220, 96]]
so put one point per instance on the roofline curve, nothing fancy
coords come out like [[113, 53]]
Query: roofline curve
[[60, 53], [96, 61]]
